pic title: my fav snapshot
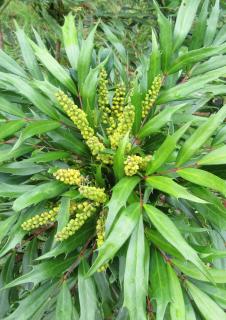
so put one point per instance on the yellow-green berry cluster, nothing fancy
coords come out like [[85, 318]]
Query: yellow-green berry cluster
[[145, 161], [79, 118], [77, 115], [151, 96], [132, 164], [118, 102], [85, 210], [100, 230], [135, 163], [69, 176], [103, 100], [125, 124], [42, 219], [96, 194]]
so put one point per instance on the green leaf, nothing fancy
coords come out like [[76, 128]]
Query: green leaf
[[200, 27], [37, 194], [11, 127], [177, 306], [203, 178], [10, 65], [217, 156], [185, 18], [169, 186], [208, 308], [11, 108], [8, 154], [121, 192], [54, 67], [166, 39], [87, 293], [49, 156], [64, 303], [27, 308], [85, 55], [115, 42], [28, 54], [73, 242], [194, 56], [212, 24], [184, 90], [158, 121], [70, 39], [162, 154], [6, 225], [13, 190], [43, 271], [26, 90], [119, 158], [200, 136], [169, 231], [218, 294], [134, 277], [154, 61], [159, 284], [35, 128], [21, 168], [63, 213], [218, 275], [120, 232]]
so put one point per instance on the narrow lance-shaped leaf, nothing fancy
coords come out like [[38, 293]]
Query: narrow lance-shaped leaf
[[119, 157], [11, 108], [54, 67], [177, 306], [71, 40], [87, 293], [159, 283], [170, 232], [185, 90], [169, 186], [212, 24], [194, 56], [185, 18], [208, 308], [158, 121], [85, 55], [166, 41], [43, 271], [203, 178], [134, 278], [120, 232], [218, 275], [164, 151], [155, 60], [37, 194], [200, 27], [121, 192], [11, 65], [200, 136], [35, 128], [11, 127], [28, 54], [64, 303], [217, 156]]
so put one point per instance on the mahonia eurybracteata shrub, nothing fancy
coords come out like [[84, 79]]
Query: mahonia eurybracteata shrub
[[108, 169]]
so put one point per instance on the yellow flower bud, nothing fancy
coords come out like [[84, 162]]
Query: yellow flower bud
[[69, 176], [96, 194], [151, 96]]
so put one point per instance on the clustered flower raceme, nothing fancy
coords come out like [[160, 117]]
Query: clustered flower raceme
[[69, 176], [151, 96], [103, 99], [95, 194], [100, 231], [84, 211], [135, 163], [45, 218]]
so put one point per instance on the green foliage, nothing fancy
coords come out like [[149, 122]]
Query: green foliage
[[112, 193]]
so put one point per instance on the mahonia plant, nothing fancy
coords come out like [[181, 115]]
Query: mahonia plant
[[112, 191]]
